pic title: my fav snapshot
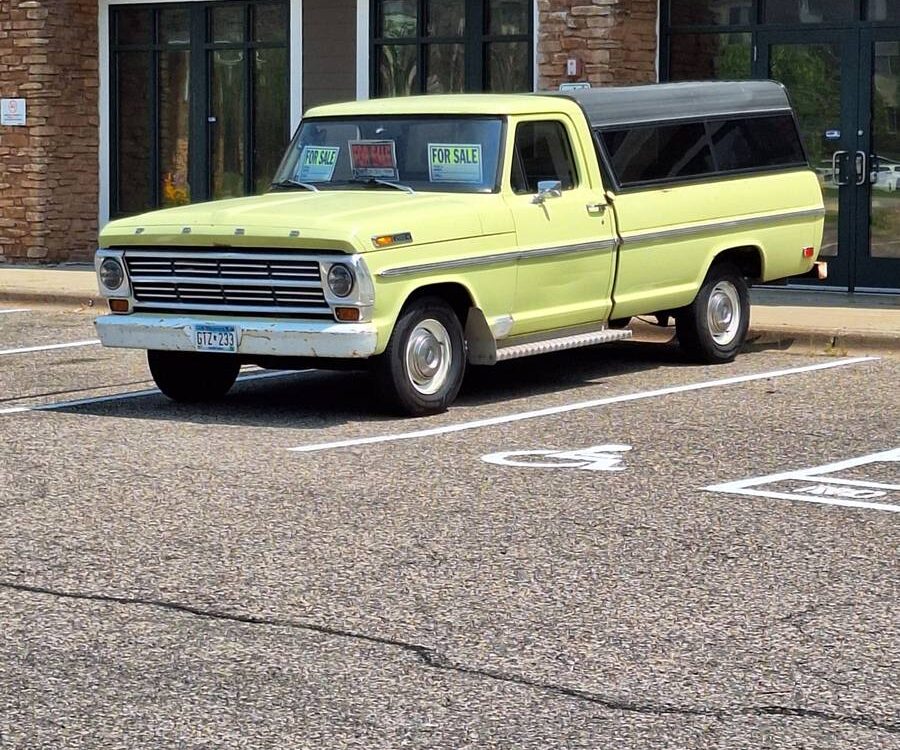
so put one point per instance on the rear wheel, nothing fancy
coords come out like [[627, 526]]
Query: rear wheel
[[422, 368], [192, 376], [713, 327]]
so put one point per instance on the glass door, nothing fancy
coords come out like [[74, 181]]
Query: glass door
[[845, 87], [878, 262]]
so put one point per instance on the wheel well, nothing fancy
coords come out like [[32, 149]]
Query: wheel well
[[747, 259], [455, 295]]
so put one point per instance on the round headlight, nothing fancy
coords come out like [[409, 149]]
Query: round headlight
[[111, 274], [340, 280]]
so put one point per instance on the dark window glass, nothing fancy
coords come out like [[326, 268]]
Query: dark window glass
[[507, 67], [228, 24], [174, 26], [542, 152], [270, 113], [508, 16], [445, 18], [134, 26], [809, 11], [658, 152], [445, 64], [270, 23], [398, 73], [133, 132], [756, 143], [699, 57], [398, 18], [711, 12], [882, 10], [174, 127], [228, 91]]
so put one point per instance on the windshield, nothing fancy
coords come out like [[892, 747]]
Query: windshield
[[440, 154]]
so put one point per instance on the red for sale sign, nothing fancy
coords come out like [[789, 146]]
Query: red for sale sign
[[374, 159]]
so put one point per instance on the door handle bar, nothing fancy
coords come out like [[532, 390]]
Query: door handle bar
[[862, 175], [836, 170]]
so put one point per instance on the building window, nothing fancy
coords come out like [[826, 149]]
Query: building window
[[443, 46], [199, 101]]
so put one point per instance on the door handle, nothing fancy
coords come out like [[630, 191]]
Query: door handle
[[836, 170], [596, 208], [862, 168]]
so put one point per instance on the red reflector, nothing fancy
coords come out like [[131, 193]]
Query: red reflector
[[809, 252]]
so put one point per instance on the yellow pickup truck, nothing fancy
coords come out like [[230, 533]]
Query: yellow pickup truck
[[417, 235]]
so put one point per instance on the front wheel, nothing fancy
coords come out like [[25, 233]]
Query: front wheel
[[713, 327], [192, 376], [422, 368]]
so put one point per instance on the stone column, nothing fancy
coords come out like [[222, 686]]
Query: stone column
[[49, 168], [615, 39]]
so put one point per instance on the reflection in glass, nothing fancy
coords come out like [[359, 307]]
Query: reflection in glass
[[445, 18], [270, 114], [227, 97], [398, 18], [812, 74], [885, 217], [698, 57], [508, 16], [446, 68], [228, 24], [397, 70], [883, 10], [134, 26], [270, 23], [174, 26], [507, 67], [809, 11], [711, 12], [174, 111], [133, 132]]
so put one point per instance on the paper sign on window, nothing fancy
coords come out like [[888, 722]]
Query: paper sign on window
[[317, 163], [374, 159], [454, 162]]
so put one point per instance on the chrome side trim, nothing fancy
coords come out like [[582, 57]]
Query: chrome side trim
[[719, 225], [487, 260]]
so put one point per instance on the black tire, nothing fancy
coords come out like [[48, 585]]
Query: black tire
[[713, 328], [422, 368], [192, 376]]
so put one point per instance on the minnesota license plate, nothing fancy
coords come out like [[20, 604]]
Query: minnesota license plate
[[215, 338]]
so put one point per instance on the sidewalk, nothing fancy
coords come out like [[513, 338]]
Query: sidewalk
[[781, 318]]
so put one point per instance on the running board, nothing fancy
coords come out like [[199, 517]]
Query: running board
[[560, 344]]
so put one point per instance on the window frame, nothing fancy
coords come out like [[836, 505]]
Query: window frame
[[474, 41], [514, 160], [717, 174]]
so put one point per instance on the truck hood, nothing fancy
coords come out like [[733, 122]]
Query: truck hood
[[344, 220]]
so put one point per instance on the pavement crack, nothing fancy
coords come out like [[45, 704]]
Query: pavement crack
[[436, 660]]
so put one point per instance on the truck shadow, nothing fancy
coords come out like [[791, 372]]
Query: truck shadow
[[317, 399]]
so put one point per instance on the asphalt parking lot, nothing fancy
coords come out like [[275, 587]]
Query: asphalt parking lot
[[601, 548]]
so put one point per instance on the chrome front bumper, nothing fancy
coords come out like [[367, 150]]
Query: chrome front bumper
[[255, 336]]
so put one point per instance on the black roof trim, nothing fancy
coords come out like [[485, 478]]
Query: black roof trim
[[628, 105]]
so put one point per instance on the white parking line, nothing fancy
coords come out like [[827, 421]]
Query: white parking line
[[553, 410], [131, 394], [816, 489], [17, 310], [48, 347]]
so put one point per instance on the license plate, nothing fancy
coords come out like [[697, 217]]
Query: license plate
[[211, 338]]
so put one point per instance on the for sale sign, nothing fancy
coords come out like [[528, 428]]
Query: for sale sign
[[12, 111]]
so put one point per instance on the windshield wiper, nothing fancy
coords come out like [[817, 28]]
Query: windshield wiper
[[295, 183], [377, 181]]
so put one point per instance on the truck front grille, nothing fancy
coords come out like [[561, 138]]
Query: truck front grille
[[226, 282]]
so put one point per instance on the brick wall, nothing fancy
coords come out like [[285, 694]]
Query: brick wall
[[615, 39], [48, 169]]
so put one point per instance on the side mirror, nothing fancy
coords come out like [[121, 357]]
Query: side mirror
[[548, 189]]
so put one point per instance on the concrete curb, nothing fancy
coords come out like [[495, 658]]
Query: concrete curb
[[835, 343], [52, 298]]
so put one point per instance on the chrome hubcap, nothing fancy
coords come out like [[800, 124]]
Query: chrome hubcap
[[428, 356], [723, 313]]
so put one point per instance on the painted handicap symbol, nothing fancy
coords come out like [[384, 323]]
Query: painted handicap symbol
[[607, 457]]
